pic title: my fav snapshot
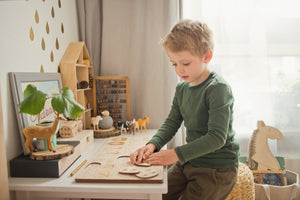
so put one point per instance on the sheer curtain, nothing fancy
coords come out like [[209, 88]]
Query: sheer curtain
[[257, 50], [90, 18]]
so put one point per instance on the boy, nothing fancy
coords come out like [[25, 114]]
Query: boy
[[206, 167]]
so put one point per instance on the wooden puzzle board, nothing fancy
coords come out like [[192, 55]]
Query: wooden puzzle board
[[113, 156]]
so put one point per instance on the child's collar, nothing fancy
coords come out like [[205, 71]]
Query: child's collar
[[197, 86]]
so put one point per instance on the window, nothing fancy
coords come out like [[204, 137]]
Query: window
[[257, 50]]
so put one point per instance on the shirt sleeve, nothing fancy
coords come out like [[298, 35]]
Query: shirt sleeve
[[169, 128], [219, 100]]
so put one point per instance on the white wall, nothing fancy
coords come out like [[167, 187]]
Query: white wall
[[20, 54], [132, 31]]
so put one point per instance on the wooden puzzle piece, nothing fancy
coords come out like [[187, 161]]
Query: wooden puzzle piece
[[147, 173], [143, 164]]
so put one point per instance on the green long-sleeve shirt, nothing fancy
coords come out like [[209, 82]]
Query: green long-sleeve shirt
[[207, 112]]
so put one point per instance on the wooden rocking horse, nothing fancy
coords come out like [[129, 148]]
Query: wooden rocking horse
[[260, 156]]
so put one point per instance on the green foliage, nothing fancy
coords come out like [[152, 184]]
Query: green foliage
[[34, 102], [66, 104]]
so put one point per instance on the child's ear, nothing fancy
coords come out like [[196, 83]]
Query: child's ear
[[208, 56]]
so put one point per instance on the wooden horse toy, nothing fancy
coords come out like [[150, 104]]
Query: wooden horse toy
[[260, 156], [142, 123], [136, 126], [40, 132]]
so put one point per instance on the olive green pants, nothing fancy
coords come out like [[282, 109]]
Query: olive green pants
[[190, 183]]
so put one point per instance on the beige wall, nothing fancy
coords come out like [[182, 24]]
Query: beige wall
[[21, 54]]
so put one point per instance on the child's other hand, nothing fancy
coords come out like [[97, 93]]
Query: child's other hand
[[142, 153], [164, 157]]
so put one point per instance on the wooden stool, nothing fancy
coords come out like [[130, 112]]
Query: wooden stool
[[244, 187]]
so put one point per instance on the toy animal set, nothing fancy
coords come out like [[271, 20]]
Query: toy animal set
[[133, 126], [105, 122]]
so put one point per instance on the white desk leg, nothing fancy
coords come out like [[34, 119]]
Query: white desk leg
[[22, 195], [155, 197]]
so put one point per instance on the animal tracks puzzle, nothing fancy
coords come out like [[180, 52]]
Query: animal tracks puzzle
[[111, 164]]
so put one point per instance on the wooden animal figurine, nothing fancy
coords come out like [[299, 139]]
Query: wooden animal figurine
[[95, 122], [122, 126], [142, 123], [131, 127], [136, 126], [260, 156], [40, 132], [123, 129]]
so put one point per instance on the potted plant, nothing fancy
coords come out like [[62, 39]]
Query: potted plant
[[34, 102]]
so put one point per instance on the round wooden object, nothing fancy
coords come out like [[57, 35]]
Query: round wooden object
[[61, 150], [148, 173], [104, 133]]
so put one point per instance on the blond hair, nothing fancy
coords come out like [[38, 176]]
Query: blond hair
[[189, 35]]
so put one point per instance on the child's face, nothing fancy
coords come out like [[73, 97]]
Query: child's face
[[190, 67]]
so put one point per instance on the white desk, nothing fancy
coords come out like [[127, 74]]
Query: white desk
[[66, 187]]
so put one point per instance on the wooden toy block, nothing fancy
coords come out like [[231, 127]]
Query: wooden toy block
[[68, 129]]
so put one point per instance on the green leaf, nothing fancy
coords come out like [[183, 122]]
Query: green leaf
[[34, 100], [66, 104]]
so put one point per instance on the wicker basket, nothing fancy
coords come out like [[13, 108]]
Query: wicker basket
[[244, 188]]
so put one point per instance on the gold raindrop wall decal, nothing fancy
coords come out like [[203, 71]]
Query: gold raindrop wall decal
[[43, 44], [52, 12], [47, 28], [42, 68], [36, 16], [51, 56], [62, 28], [59, 4], [57, 44], [31, 34]]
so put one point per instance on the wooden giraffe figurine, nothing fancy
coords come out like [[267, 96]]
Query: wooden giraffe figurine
[[40, 132]]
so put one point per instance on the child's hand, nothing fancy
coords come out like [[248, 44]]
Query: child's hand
[[142, 153], [164, 157]]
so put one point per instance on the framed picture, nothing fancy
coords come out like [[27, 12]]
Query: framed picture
[[112, 93], [49, 83]]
